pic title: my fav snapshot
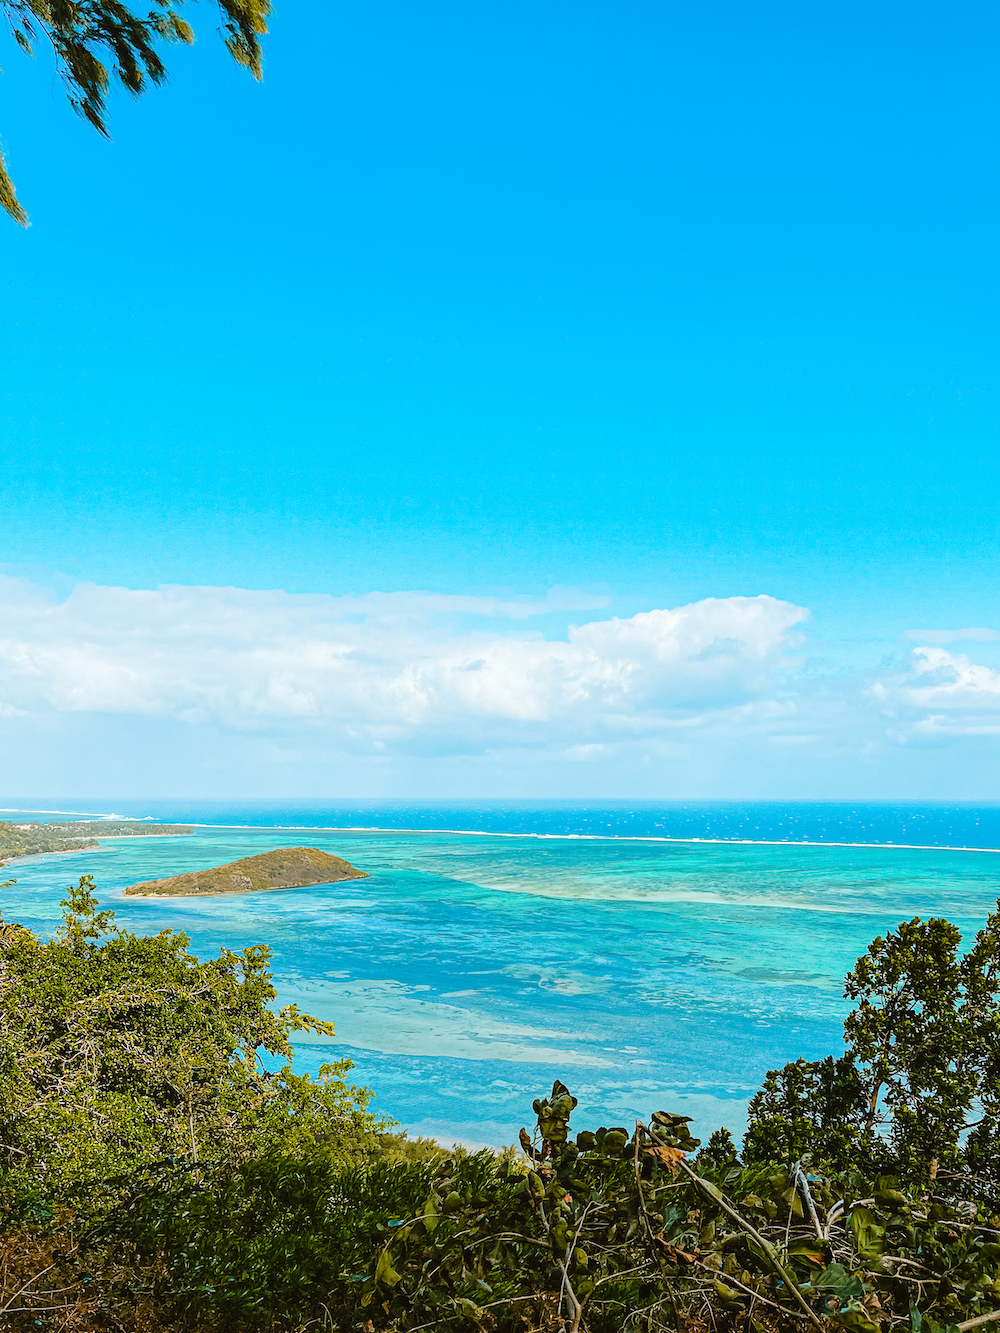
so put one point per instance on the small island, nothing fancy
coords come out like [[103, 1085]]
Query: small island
[[287, 868]]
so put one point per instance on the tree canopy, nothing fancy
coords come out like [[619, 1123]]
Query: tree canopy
[[118, 1050], [96, 42], [918, 1090]]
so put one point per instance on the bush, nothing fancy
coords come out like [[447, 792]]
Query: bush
[[118, 1050]]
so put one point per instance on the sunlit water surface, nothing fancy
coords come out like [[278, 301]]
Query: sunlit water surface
[[470, 970]]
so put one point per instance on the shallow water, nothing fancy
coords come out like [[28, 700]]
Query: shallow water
[[471, 970]]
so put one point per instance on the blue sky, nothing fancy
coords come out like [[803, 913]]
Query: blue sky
[[655, 302]]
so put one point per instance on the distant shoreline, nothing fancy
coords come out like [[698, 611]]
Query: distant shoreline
[[96, 839], [554, 837]]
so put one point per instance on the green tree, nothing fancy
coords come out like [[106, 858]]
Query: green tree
[[118, 1050], [814, 1106], [98, 41], [922, 1067]]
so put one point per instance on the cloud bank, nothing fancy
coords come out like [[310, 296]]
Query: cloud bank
[[383, 668], [723, 695]]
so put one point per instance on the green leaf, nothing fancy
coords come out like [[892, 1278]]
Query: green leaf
[[857, 1320], [712, 1190], [384, 1271], [868, 1233], [845, 1286]]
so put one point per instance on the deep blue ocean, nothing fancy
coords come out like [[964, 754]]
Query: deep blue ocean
[[498, 945]]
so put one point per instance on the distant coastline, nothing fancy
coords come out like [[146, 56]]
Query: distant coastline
[[19, 841]]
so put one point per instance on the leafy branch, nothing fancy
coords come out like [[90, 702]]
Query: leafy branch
[[98, 42]]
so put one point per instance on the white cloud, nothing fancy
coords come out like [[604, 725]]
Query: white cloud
[[585, 753], [941, 694], [429, 603], [388, 669], [953, 680], [221, 690]]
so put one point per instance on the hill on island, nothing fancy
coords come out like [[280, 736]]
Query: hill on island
[[287, 868]]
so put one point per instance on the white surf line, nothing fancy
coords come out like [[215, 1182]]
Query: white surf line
[[598, 837], [571, 837], [649, 837], [130, 819]]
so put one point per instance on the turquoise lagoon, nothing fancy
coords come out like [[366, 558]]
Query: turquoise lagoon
[[472, 968]]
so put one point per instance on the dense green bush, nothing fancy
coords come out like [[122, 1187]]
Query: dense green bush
[[274, 1243], [117, 1050], [605, 1232], [617, 1231]]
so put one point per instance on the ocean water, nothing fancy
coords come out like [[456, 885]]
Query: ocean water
[[498, 946]]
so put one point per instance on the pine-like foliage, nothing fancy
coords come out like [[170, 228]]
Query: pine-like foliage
[[98, 41]]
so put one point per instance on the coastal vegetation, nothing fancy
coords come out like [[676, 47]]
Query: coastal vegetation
[[34, 839], [164, 1168]]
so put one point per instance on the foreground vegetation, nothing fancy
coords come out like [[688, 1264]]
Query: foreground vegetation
[[164, 1168]]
